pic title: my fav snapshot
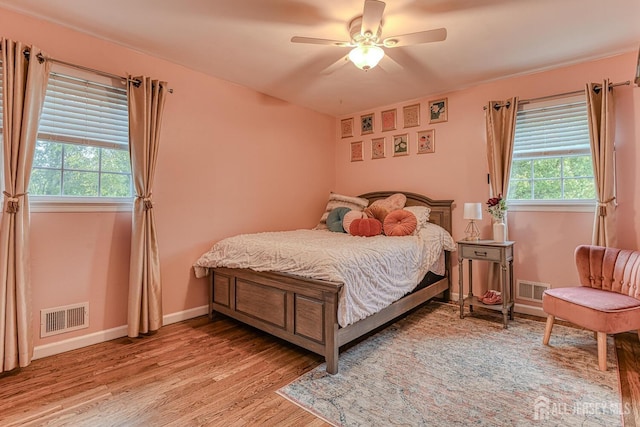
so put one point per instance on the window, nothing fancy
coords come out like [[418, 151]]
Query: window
[[551, 153], [83, 141]]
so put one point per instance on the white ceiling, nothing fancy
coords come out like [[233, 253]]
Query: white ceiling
[[248, 41]]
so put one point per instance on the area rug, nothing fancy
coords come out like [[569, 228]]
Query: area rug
[[433, 368]]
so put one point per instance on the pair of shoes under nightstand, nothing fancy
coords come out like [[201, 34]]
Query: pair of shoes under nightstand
[[491, 298]]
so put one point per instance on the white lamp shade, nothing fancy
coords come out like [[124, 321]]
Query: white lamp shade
[[472, 211], [366, 57]]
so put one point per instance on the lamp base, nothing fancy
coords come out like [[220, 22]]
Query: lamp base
[[472, 232]]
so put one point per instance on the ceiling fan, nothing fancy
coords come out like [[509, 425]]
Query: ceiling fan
[[366, 37]]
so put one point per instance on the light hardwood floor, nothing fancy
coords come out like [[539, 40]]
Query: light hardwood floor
[[195, 372]]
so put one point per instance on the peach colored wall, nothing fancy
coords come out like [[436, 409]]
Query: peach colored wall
[[231, 160], [458, 169]]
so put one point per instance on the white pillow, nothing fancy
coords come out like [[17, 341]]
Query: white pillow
[[422, 215], [339, 200]]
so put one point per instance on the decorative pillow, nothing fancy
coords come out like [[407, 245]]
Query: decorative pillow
[[400, 223], [378, 212], [422, 215], [349, 217], [391, 203], [337, 200], [366, 227], [335, 217]]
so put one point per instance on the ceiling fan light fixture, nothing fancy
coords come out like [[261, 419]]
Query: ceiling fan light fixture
[[366, 57]]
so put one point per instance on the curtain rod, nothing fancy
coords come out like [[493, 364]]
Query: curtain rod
[[43, 58], [543, 98]]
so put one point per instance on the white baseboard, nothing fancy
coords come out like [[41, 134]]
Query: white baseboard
[[519, 308], [185, 315], [110, 334]]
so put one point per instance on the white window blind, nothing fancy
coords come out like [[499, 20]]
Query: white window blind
[[552, 130], [552, 153], [86, 113]]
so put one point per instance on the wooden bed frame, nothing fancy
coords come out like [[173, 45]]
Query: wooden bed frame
[[304, 311]]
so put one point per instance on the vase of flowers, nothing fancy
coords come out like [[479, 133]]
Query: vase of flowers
[[497, 208]]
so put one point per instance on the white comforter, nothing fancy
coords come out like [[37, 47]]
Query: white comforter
[[376, 271]]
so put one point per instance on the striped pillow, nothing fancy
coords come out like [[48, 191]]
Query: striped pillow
[[339, 200]]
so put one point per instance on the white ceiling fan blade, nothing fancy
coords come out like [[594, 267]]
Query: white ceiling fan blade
[[371, 17], [336, 65], [313, 40], [420, 37], [390, 65]]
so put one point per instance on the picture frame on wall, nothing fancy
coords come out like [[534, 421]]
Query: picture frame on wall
[[411, 115], [346, 128], [401, 145], [357, 152], [366, 124], [426, 141], [378, 148], [438, 111], [388, 119]]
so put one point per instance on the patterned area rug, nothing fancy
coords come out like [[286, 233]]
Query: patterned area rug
[[432, 368]]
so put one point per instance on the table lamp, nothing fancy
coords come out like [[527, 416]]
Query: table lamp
[[472, 212]]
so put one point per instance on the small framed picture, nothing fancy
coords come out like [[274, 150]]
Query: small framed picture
[[366, 124], [411, 114], [388, 118], [426, 141], [401, 145], [346, 127], [377, 148], [357, 153], [438, 111]]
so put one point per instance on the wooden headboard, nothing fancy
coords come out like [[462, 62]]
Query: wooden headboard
[[440, 209]]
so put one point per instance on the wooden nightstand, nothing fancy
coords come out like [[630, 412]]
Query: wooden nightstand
[[487, 250]]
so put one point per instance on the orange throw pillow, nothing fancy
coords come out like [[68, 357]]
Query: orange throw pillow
[[378, 212], [366, 227], [400, 223]]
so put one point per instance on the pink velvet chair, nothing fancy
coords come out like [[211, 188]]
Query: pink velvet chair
[[607, 300]]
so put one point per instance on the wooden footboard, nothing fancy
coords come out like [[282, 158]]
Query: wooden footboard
[[301, 311]]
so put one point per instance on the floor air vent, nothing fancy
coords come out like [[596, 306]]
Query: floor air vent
[[531, 291], [59, 320]]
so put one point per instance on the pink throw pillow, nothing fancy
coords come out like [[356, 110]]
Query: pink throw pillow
[[349, 217], [391, 203]]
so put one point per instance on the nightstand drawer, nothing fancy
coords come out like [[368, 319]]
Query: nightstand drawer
[[481, 252]]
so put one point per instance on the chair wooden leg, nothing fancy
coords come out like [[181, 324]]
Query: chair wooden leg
[[547, 330], [602, 351]]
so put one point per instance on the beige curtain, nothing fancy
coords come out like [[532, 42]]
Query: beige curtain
[[601, 133], [24, 86], [501, 124], [146, 105]]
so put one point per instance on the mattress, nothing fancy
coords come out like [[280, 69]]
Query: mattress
[[375, 271]]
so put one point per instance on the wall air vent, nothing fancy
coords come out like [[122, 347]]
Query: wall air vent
[[531, 291], [59, 320]]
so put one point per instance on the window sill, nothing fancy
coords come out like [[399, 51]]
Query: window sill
[[552, 206], [80, 204]]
